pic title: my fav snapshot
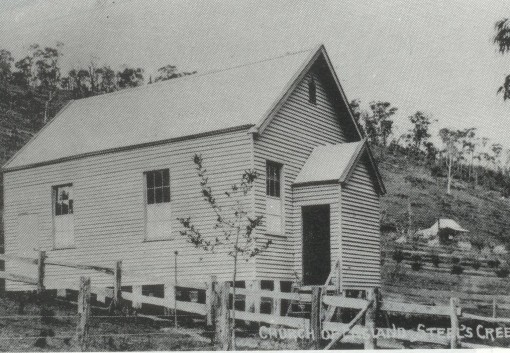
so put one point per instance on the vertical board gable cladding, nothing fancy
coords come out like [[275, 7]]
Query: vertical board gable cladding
[[361, 254], [289, 139], [109, 208]]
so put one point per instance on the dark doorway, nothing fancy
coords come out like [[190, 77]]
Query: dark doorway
[[316, 244]]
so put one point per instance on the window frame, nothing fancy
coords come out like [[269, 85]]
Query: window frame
[[54, 196], [280, 198], [279, 166], [146, 204]]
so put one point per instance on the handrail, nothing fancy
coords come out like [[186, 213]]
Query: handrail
[[107, 270], [27, 260]]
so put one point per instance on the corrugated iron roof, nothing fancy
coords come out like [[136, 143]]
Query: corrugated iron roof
[[192, 105], [330, 163]]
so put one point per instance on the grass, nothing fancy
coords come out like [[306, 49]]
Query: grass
[[29, 332]]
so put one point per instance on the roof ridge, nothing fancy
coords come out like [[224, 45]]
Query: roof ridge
[[192, 76]]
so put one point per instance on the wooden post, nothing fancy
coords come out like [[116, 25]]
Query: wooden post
[[117, 285], [338, 288], [137, 292], [454, 304], [223, 334], [370, 317], [210, 301], [170, 300], [494, 307], [276, 300], [40, 272], [253, 299], [83, 312], [315, 317]]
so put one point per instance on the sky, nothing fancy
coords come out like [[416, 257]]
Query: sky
[[429, 55]]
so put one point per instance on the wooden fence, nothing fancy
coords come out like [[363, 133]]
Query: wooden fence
[[218, 310]]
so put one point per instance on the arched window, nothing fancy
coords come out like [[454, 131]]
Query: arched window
[[312, 91]]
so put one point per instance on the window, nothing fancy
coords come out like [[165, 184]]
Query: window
[[273, 199], [273, 179], [158, 212], [312, 91], [63, 219]]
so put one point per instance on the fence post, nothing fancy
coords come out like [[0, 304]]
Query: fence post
[[136, 304], [454, 304], [276, 300], [315, 317], [40, 272], [117, 291], [370, 316], [210, 300], [338, 289], [223, 328], [83, 312]]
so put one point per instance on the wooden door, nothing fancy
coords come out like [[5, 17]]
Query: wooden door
[[316, 244]]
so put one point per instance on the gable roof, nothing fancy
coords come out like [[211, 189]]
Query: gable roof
[[241, 97], [336, 163]]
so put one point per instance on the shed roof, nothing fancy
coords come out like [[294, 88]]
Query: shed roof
[[328, 163], [188, 106], [442, 223], [335, 163]]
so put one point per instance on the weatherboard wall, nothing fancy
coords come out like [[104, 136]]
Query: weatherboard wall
[[109, 209], [289, 139], [360, 222]]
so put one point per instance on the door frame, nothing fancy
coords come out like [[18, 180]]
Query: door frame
[[301, 207]]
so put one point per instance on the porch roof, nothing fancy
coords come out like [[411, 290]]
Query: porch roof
[[330, 163]]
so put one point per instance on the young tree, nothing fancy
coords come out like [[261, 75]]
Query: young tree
[[169, 72], [497, 149], [233, 221], [47, 68], [6, 60], [450, 140], [359, 115], [381, 120], [108, 79], [420, 132], [502, 41], [23, 75], [130, 77]]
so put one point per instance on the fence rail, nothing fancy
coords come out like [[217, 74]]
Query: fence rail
[[220, 312]]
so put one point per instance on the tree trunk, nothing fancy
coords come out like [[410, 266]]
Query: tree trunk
[[449, 183]]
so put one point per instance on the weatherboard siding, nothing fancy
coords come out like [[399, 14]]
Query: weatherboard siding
[[289, 139], [109, 209], [361, 253]]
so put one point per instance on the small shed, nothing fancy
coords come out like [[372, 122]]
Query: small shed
[[445, 229]]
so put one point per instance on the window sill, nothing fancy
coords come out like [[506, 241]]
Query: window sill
[[157, 239], [64, 248]]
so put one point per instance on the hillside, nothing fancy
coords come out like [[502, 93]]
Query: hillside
[[485, 213]]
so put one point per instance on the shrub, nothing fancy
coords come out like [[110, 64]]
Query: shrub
[[493, 263], [455, 260], [435, 260], [457, 270], [502, 272], [476, 264], [416, 264], [398, 256]]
